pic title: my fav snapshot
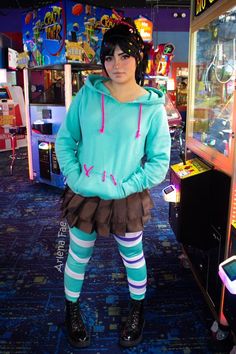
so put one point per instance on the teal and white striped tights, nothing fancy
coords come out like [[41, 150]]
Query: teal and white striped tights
[[81, 249]]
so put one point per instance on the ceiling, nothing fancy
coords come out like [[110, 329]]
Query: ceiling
[[34, 4]]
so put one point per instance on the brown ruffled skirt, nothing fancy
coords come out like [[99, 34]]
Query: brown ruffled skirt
[[116, 216]]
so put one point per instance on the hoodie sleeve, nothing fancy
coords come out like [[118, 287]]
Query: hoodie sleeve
[[67, 139], [157, 152]]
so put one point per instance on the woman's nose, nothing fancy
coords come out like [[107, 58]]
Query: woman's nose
[[116, 64]]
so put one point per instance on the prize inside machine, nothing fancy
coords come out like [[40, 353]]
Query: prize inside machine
[[202, 194]]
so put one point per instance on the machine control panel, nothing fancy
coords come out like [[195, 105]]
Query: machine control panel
[[191, 168]]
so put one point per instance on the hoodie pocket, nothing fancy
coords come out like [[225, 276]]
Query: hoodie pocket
[[95, 185]]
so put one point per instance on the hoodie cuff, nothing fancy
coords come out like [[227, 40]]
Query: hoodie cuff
[[135, 183], [130, 187], [72, 179]]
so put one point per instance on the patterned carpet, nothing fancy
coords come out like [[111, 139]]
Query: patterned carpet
[[33, 249]]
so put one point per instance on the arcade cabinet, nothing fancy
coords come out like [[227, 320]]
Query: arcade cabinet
[[202, 213], [11, 116]]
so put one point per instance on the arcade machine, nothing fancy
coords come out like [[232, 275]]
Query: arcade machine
[[180, 76], [11, 117], [7, 117], [61, 42], [157, 76], [202, 193]]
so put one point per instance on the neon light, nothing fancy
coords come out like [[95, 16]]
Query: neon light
[[28, 126]]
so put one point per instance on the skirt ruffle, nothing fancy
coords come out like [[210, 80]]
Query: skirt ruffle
[[116, 216]]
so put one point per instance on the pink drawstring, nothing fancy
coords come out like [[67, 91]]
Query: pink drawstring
[[139, 122], [104, 176], [103, 117], [87, 170], [113, 179]]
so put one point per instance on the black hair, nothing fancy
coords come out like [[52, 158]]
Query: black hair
[[127, 37]]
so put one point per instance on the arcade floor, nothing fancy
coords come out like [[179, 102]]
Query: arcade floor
[[33, 251]]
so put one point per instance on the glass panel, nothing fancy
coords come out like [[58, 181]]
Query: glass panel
[[47, 86], [215, 82]]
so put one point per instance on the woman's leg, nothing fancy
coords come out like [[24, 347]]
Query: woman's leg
[[131, 250], [80, 251]]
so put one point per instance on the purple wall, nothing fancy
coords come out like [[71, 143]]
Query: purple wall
[[163, 20], [10, 20]]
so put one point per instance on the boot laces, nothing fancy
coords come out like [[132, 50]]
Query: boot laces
[[76, 318], [133, 318]]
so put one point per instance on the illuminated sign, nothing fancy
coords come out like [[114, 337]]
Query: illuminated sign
[[79, 51], [202, 5], [22, 60], [12, 58], [73, 50], [145, 28], [53, 23]]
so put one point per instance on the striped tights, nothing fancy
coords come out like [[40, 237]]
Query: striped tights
[[81, 248]]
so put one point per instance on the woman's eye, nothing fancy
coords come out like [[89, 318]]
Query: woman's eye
[[108, 58], [125, 56]]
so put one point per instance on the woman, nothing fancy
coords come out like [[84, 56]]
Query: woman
[[111, 125]]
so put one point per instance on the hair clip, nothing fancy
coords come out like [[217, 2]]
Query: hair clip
[[120, 21]]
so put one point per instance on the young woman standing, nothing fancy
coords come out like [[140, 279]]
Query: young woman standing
[[112, 123]]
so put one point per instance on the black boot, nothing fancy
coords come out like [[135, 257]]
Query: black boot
[[77, 333], [132, 331]]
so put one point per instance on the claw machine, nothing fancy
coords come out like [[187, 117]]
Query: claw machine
[[203, 214]]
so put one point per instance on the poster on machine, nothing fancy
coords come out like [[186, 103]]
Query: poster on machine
[[64, 31], [86, 25], [44, 34]]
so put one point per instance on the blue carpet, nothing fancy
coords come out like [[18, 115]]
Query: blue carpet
[[33, 250]]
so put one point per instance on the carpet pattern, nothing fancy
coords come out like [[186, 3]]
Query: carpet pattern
[[33, 250]]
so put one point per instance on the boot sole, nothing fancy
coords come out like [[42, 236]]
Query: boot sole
[[79, 345], [127, 344]]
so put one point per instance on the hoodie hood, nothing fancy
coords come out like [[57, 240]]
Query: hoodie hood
[[154, 96]]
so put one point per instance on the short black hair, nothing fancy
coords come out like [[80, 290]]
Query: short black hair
[[127, 37]]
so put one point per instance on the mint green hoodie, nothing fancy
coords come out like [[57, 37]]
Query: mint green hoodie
[[101, 142]]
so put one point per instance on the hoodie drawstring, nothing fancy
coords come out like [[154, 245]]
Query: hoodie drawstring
[[104, 176], [139, 121], [113, 180], [103, 117], [101, 130]]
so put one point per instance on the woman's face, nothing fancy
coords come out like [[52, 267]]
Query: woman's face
[[120, 66]]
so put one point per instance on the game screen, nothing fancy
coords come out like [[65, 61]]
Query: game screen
[[230, 269]]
